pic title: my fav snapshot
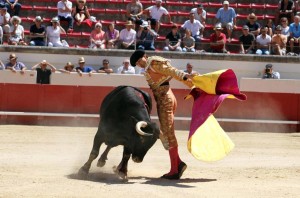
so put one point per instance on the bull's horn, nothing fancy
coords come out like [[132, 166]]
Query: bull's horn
[[138, 129]]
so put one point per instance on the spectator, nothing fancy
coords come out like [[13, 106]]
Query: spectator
[[297, 7], [295, 33], [285, 26], [13, 7], [97, 38], [14, 65], [218, 40], [80, 12], [145, 37], [105, 67], [127, 36], [263, 42], [271, 27], [200, 14], [4, 19], [173, 40], [16, 31], [64, 13], [269, 73], [286, 9], [134, 11], [126, 68], [37, 31], [53, 34], [84, 69], [227, 17], [68, 68], [2, 66], [188, 42], [189, 69], [279, 42], [43, 73], [254, 27], [247, 40], [112, 36], [155, 13], [195, 26]]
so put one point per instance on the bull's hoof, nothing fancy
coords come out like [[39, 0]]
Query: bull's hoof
[[83, 173], [101, 163], [121, 174]]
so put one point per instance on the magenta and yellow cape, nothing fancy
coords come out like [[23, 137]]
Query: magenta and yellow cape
[[207, 140]]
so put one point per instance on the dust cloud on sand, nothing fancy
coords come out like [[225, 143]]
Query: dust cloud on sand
[[40, 161]]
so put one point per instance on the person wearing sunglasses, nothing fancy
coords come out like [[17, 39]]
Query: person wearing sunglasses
[[80, 12], [218, 40], [279, 42], [254, 26], [285, 26]]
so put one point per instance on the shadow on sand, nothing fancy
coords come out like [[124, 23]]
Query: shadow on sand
[[111, 179]]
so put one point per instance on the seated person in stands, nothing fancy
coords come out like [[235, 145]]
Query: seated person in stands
[[254, 27], [14, 65], [68, 68], [271, 27], [279, 42], [195, 26], [37, 31], [127, 36], [53, 34], [227, 17], [64, 8], [105, 67], [43, 73], [218, 40], [112, 36], [269, 73], [188, 42], [16, 32], [134, 12], [80, 12], [263, 42], [145, 37], [97, 38], [247, 41], [173, 40], [13, 7], [155, 13], [286, 9], [200, 14], [126, 68], [295, 33], [84, 69], [297, 7], [285, 26], [4, 20]]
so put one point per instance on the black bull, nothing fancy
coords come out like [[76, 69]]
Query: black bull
[[124, 120]]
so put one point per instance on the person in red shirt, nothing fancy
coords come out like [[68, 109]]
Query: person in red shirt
[[218, 40]]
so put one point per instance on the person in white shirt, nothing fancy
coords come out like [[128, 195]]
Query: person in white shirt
[[53, 34], [195, 27], [155, 13], [16, 31], [263, 42], [64, 8], [200, 14], [4, 19], [126, 68], [127, 36]]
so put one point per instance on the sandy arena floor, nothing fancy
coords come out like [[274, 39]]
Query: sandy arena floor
[[37, 161]]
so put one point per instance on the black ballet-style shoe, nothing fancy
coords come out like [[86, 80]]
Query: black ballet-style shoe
[[170, 177], [181, 168]]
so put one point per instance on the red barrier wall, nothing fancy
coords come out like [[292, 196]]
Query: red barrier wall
[[87, 100]]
